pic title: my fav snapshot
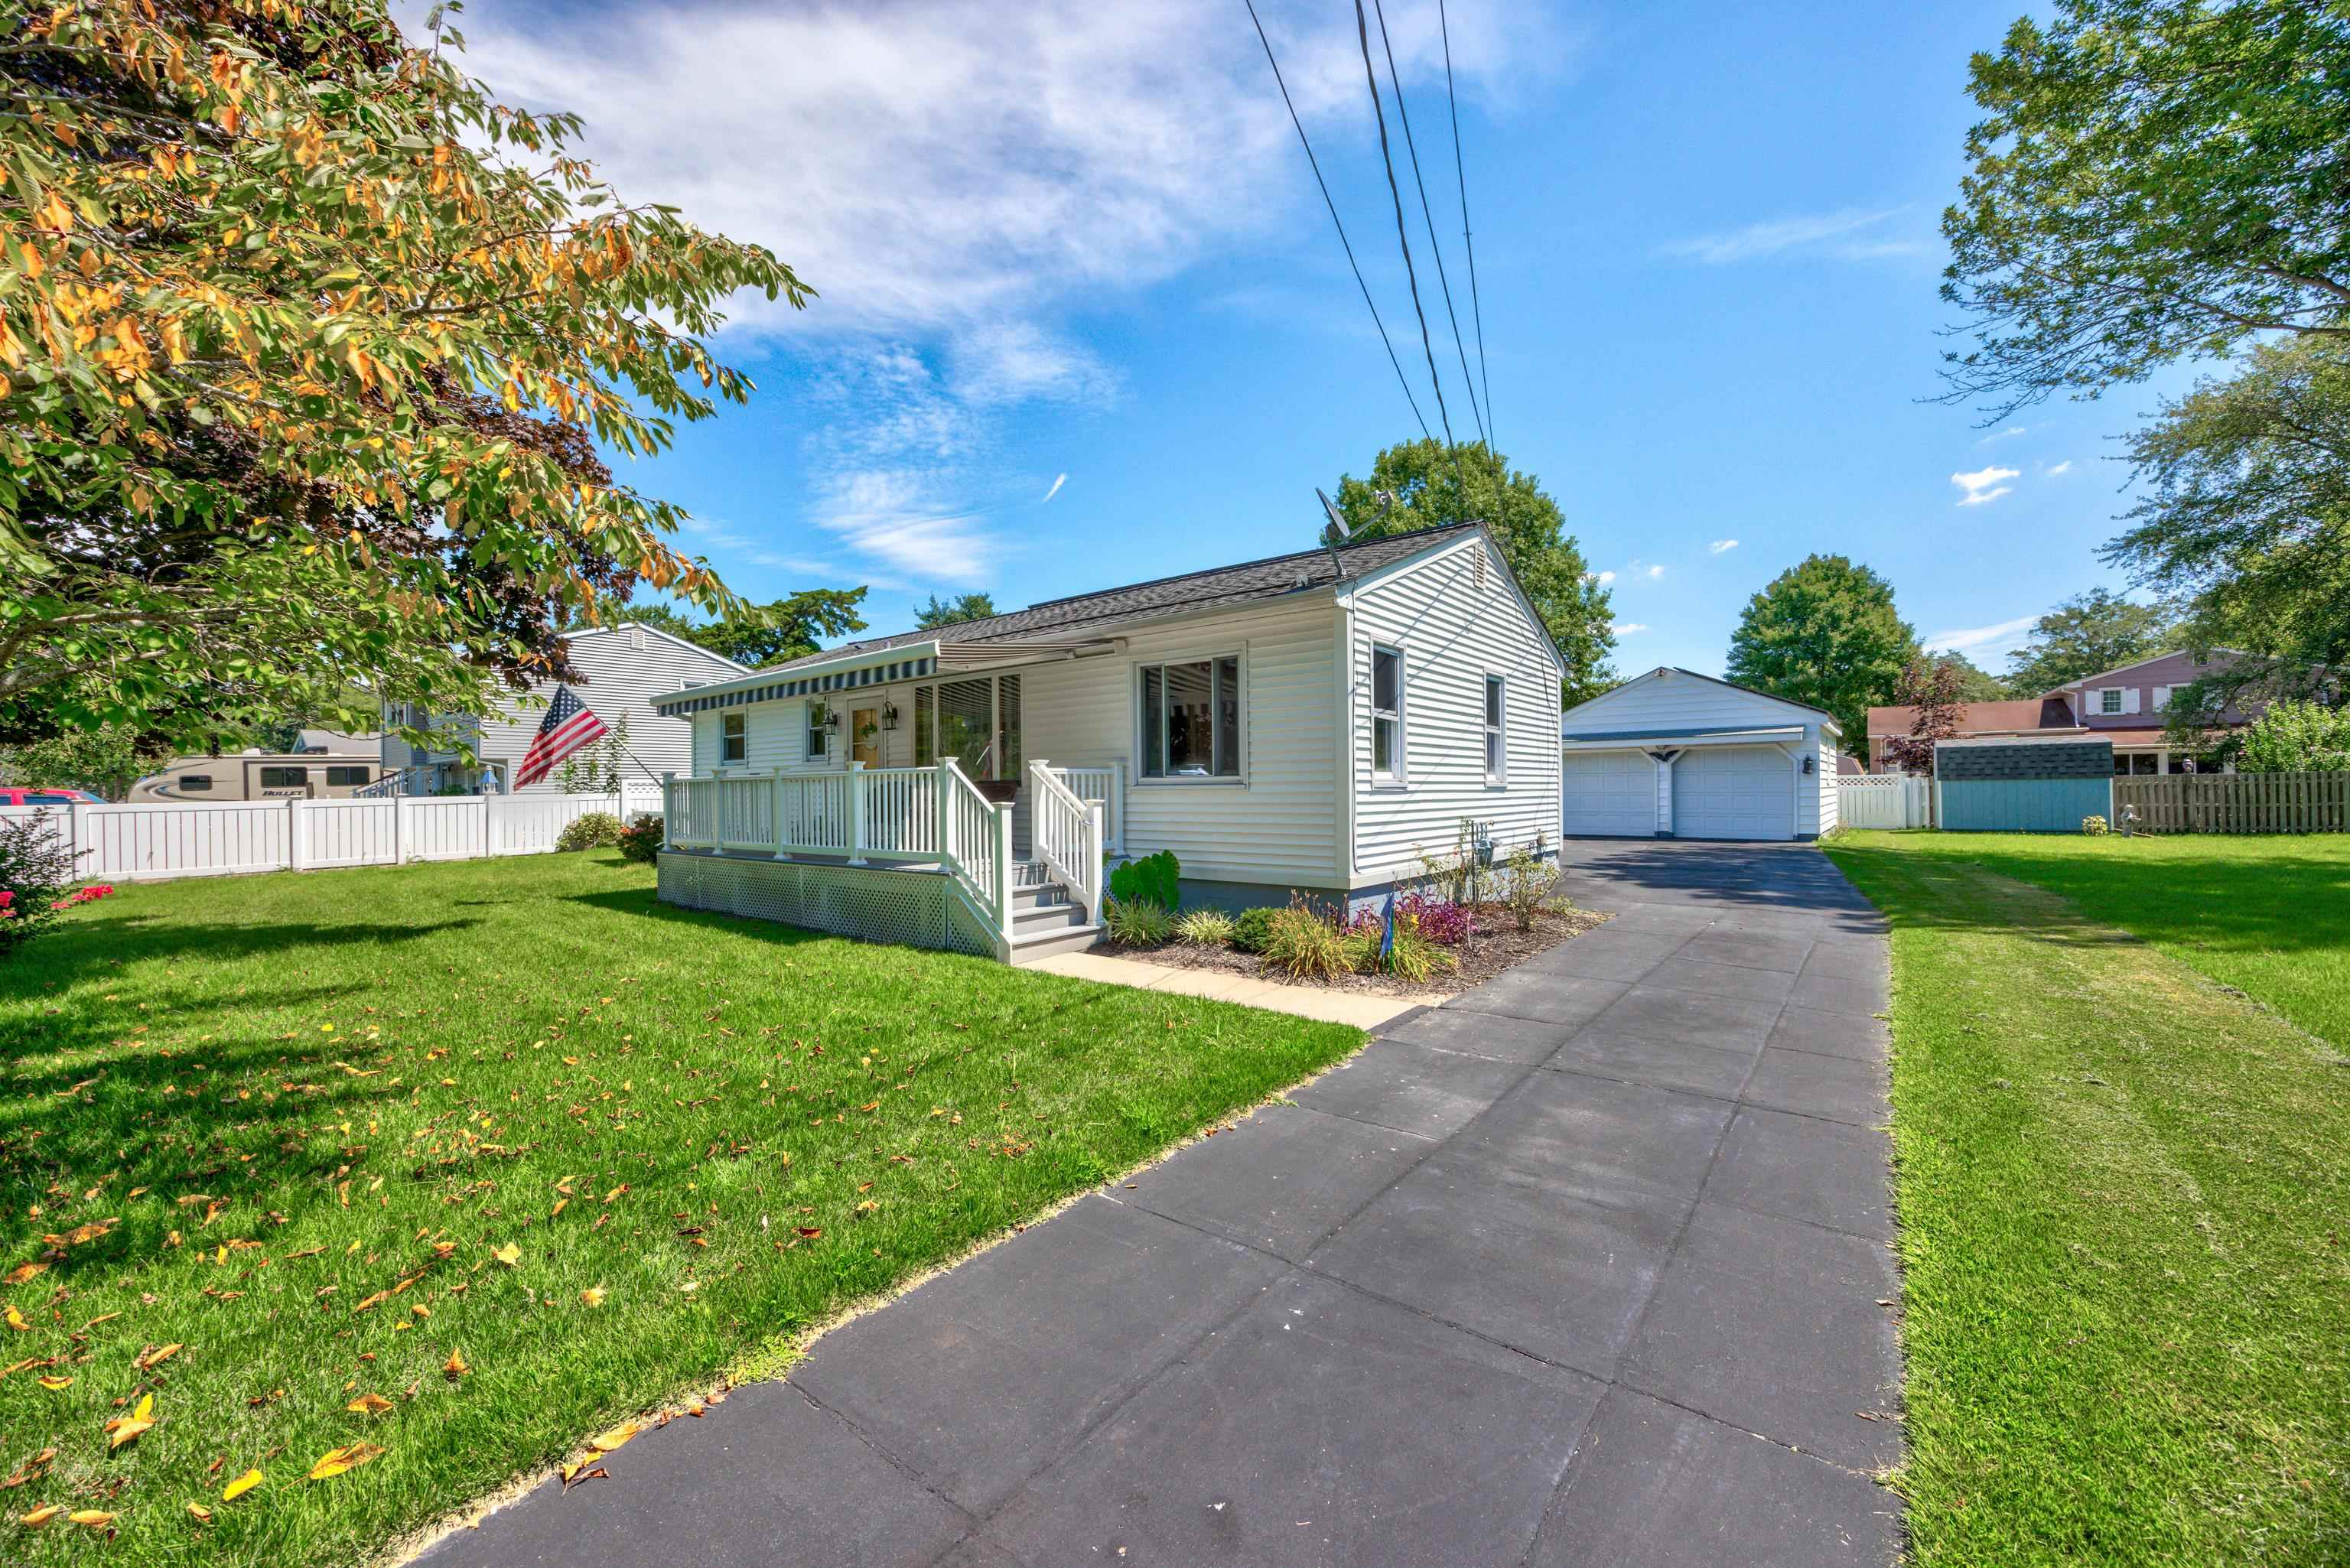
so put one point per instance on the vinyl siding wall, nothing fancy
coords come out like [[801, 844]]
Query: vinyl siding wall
[[1455, 624], [1277, 826]]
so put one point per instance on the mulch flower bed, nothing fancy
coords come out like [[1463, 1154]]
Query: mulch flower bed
[[1494, 946]]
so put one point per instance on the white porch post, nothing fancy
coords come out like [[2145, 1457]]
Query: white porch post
[[943, 790], [1003, 849], [783, 834], [1093, 866], [856, 812], [1118, 803]]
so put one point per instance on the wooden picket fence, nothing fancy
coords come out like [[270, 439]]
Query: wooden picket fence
[[2236, 803]]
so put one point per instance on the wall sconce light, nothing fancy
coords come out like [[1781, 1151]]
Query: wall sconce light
[[890, 716], [832, 719], [1807, 767]]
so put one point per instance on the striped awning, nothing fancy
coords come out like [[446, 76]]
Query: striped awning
[[876, 667]]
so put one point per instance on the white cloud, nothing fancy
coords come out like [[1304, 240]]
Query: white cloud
[[2063, 467], [1721, 547], [1058, 480], [902, 520], [1603, 579], [953, 179], [2002, 435], [1967, 639], [1984, 484], [1840, 236], [1655, 572], [1626, 628]]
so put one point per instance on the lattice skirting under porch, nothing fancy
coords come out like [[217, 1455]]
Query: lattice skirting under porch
[[915, 908]]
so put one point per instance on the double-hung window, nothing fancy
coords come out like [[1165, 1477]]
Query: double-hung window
[[817, 744], [1191, 719], [1497, 752], [2109, 700], [733, 738], [1386, 716]]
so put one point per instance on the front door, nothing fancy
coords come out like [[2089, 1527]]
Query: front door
[[865, 736]]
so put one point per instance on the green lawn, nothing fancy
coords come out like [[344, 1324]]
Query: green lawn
[[2125, 1218], [235, 1114]]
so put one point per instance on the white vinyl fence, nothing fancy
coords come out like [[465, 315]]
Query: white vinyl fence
[[1883, 800], [225, 838]]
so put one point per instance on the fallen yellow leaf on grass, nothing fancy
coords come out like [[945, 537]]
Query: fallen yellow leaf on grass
[[593, 1295], [455, 1367], [369, 1405], [509, 1254], [17, 1320], [56, 1382], [239, 1487], [371, 1303], [36, 1517], [95, 1519], [157, 1357], [24, 1271], [604, 1442], [334, 1461], [202, 1515]]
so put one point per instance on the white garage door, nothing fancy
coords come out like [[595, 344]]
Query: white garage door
[[1734, 792], [1607, 793]]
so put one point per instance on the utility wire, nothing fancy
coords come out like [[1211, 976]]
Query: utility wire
[[1428, 213], [1402, 379], [1476, 309], [1371, 80]]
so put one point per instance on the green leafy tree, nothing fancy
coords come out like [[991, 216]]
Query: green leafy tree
[[106, 760], [309, 347], [2152, 179], [2089, 633], [2296, 737], [756, 634], [2246, 515], [1970, 681], [1422, 484], [1825, 633], [950, 612]]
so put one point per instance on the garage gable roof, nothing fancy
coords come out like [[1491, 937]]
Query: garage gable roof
[[1713, 732], [1613, 696]]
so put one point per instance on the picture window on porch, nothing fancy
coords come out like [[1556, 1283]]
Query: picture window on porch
[[974, 721], [734, 737], [1191, 719], [1387, 714]]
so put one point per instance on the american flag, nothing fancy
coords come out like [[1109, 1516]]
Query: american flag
[[569, 724]]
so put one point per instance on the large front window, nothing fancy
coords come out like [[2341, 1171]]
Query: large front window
[[974, 722], [1191, 717]]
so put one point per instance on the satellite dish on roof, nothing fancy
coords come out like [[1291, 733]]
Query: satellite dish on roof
[[1338, 529]]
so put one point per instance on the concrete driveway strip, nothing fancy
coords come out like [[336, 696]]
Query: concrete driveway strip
[[1589, 1265]]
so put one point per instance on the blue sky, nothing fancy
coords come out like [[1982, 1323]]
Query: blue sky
[[1073, 251]]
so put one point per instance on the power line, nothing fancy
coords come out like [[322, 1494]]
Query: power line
[[1402, 379], [1371, 80], [1475, 308], [1428, 213]]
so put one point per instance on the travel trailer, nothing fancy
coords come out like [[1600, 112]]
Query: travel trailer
[[259, 776]]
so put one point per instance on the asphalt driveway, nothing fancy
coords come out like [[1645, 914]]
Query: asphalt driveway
[[1588, 1266]]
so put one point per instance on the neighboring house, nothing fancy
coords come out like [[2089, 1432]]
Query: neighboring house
[[1675, 754], [621, 669], [1311, 723], [2127, 707]]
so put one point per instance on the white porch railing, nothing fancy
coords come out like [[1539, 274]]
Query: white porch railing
[[1067, 835], [1104, 787], [904, 815]]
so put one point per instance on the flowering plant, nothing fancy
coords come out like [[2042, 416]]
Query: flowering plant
[[36, 880]]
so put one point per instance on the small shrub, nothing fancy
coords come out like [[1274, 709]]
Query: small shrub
[[1205, 928], [1252, 928], [36, 870], [1412, 956], [1153, 878], [1531, 887], [1139, 923], [2095, 827], [640, 841], [1441, 920], [589, 830], [1303, 940]]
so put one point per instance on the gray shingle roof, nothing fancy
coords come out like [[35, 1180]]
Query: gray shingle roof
[[1272, 577]]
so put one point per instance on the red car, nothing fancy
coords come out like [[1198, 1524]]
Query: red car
[[12, 795]]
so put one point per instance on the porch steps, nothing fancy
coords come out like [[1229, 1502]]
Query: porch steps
[[1046, 921]]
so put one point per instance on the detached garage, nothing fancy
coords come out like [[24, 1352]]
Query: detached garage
[[1675, 754]]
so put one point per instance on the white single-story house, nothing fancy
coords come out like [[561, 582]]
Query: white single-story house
[[622, 668], [1675, 754], [1311, 721]]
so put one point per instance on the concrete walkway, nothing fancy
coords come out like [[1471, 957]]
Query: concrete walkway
[[1363, 1008], [1588, 1267]]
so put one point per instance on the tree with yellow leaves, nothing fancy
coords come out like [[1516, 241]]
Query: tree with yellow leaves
[[309, 348]]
